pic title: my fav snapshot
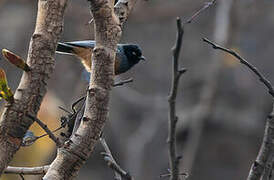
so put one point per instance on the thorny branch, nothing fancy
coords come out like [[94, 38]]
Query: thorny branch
[[267, 148]]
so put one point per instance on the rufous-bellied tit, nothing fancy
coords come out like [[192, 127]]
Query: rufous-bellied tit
[[127, 55]]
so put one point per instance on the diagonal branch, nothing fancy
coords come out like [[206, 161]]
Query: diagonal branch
[[32, 88], [119, 172], [46, 129], [195, 15], [262, 78], [267, 147]]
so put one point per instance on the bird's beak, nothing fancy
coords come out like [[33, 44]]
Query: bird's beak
[[143, 58]]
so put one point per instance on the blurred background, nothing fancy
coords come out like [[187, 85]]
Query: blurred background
[[222, 107]]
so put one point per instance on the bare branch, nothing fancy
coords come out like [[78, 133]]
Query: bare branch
[[262, 78], [195, 15], [26, 170], [121, 83], [79, 147], [177, 72], [119, 172], [46, 129], [173, 157], [267, 147]]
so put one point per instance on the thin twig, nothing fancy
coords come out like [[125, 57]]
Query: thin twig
[[118, 171], [122, 82], [26, 170], [195, 15], [267, 147], [262, 78], [174, 158], [176, 74], [46, 129]]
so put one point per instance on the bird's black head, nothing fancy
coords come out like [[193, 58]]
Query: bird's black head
[[133, 53]]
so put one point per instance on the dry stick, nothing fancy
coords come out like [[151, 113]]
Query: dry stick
[[267, 146], [32, 87], [111, 161], [27, 170], [176, 74], [75, 152], [119, 172], [195, 15], [46, 129], [262, 78]]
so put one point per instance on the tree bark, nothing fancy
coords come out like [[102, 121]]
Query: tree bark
[[78, 148], [32, 87]]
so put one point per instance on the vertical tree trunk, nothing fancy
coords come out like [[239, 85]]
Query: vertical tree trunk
[[32, 87], [78, 148]]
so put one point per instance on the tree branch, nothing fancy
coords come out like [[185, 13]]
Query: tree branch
[[119, 172], [79, 147], [176, 74], [26, 170], [195, 15], [267, 147], [46, 129], [32, 87], [243, 61], [122, 82]]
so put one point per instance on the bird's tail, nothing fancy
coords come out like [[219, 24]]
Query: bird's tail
[[64, 48]]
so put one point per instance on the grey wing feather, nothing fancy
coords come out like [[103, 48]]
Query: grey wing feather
[[84, 44]]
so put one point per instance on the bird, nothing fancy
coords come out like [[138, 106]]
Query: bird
[[127, 55]]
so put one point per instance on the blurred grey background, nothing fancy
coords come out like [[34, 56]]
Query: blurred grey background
[[225, 139]]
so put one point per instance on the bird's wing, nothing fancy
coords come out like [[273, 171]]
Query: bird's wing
[[81, 49], [83, 44]]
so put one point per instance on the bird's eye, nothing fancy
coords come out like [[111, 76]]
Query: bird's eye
[[134, 53]]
